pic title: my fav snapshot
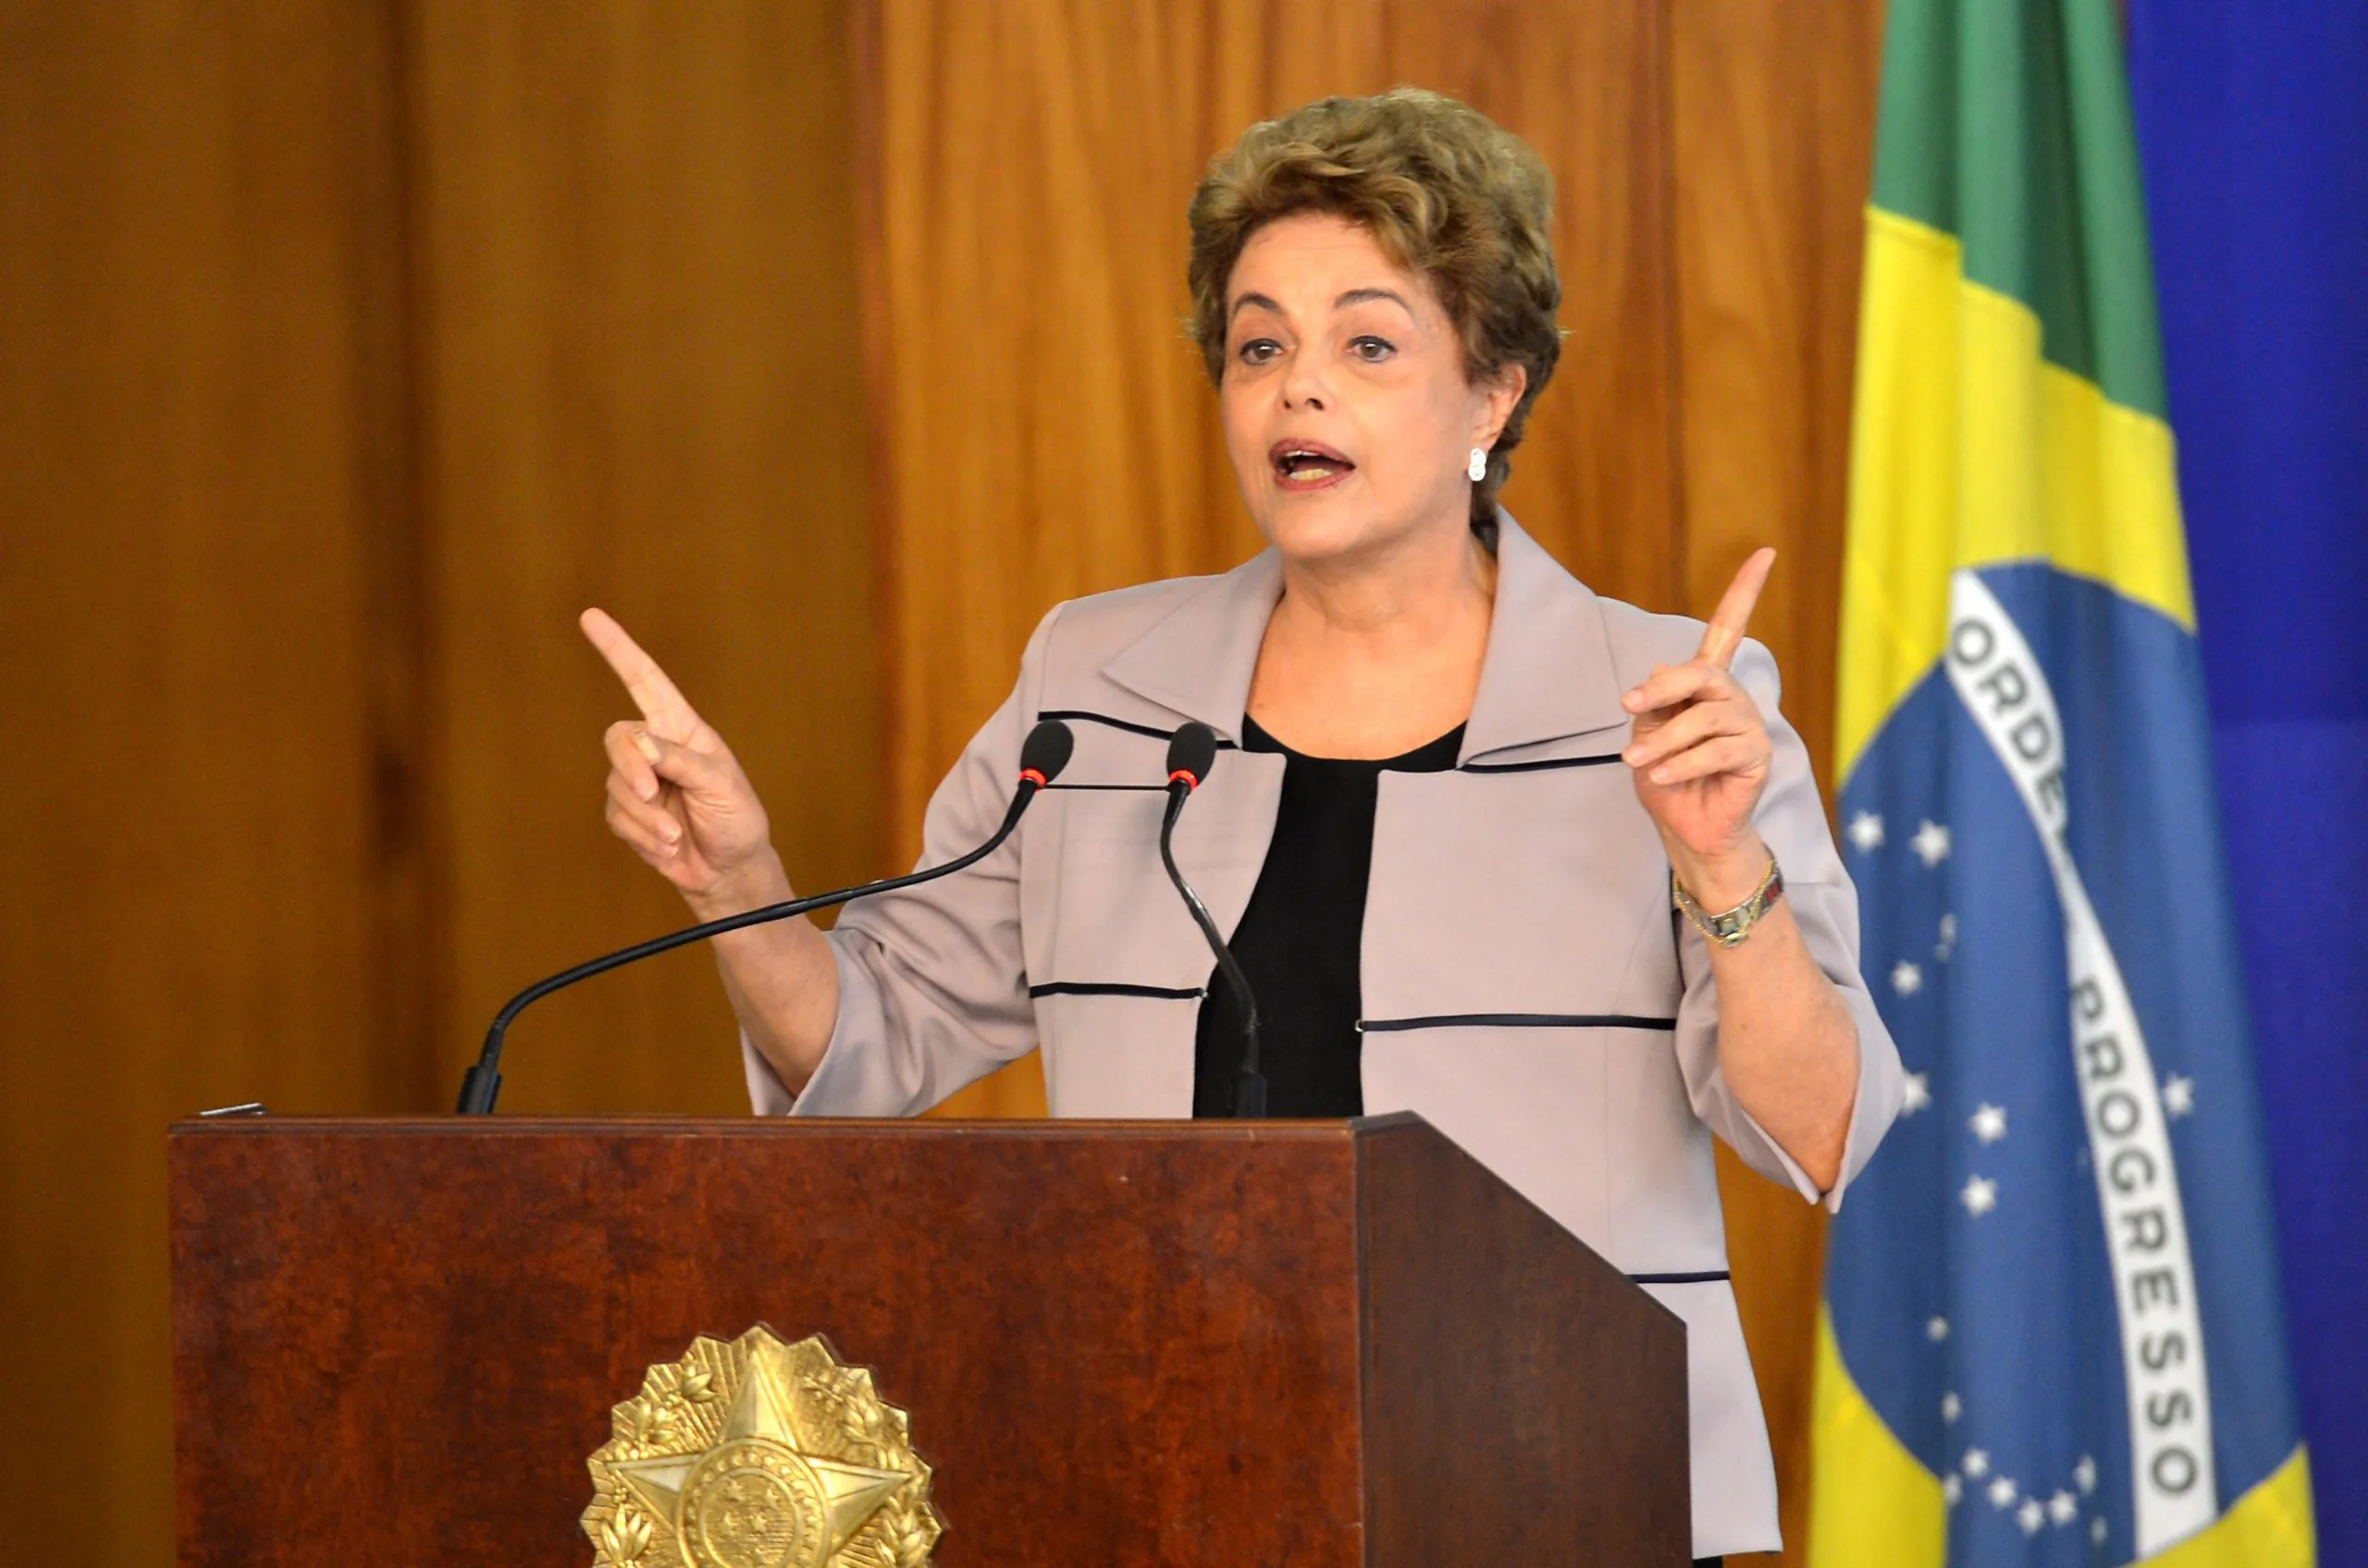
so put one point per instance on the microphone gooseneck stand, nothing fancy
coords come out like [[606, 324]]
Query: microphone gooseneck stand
[[1190, 753], [1045, 753]]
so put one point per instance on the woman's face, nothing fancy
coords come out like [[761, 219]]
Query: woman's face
[[1347, 412]]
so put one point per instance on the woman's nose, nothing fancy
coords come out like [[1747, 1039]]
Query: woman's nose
[[1304, 384]]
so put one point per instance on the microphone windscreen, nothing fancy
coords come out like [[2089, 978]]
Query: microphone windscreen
[[1192, 750], [1046, 750]]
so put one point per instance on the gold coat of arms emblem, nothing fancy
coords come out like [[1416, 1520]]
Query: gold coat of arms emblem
[[753, 1453]]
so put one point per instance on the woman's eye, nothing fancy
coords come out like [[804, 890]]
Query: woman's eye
[[1372, 350], [1258, 351]]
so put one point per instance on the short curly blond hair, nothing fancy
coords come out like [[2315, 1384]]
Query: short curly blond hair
[[1444, 191]]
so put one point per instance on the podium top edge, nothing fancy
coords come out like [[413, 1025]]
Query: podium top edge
[[653, 1126]]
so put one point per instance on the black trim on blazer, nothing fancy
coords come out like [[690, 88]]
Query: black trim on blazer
[[1114, 988], [1079, 715], [1515, 1021], [1539, 767], [1709, 1276]]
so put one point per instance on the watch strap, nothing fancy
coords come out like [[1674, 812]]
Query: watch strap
[[1729, 929]]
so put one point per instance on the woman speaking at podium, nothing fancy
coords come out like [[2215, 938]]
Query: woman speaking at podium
[[1549, 869]]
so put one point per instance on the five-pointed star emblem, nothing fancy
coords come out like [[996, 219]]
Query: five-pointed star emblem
[[1906, 979], [851, 1493], [1988, 1123], [1865, 831], [2031, 1517], [2178, 1096], [1931, 843], [1951, 1406], [1981, 1195], [1916, 1094], [2063, 1508], [1977, 1463], [2002, 1493]]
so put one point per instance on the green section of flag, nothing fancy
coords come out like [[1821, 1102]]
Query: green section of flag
[[2006, 123]]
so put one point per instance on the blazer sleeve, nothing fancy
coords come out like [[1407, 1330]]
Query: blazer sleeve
[[1825, 905], [933, 984]]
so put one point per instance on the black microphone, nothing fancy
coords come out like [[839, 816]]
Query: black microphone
[[1192, 752], [1041, 758]]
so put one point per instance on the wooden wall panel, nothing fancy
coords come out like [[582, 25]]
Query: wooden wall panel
[[640, 369], [196, 508], [347, 349], [1773, 117]]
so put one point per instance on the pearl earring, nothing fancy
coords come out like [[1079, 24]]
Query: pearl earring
[[1478, 466]]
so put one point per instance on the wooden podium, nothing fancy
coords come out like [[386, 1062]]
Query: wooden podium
[[1277, 1345]]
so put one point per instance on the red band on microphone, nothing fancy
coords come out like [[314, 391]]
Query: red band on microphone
[[1030, 775], [1185, 774]]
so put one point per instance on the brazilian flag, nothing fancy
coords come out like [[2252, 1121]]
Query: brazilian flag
[[2052, 1329]]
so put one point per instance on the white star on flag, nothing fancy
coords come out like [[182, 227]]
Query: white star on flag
[[1988, 1123], [1917, 1095], [1937, 1329], [1951, 1406], [2030, 1516], [2063, 1508], [1977, 1463], [1867, 831], [1930, 843], [1907, 978], [1948, 942], [2084, 1475], [2097, 1531], [2178, 1096], [1952, 1488], [1981, 1195], [2002, 1493]]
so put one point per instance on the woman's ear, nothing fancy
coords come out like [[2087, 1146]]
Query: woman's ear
[[1500, 395]]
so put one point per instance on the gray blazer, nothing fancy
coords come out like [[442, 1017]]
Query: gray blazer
[[1527, 988]]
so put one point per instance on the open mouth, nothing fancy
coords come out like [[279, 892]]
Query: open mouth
[[1308, 465]]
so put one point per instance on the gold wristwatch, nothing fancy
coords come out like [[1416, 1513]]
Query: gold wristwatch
[[1730, 928]]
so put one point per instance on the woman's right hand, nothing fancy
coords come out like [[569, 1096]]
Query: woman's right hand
[[677, 795]]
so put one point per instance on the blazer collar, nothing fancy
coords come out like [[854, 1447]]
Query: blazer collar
[[1198, 659], [1547, 673]]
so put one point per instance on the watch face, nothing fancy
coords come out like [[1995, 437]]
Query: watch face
[[1732, 927]]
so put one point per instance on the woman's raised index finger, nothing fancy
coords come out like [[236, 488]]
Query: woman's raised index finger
[[1725, 632], [656, 696]]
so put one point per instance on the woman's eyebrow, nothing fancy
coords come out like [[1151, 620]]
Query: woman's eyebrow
[[1261, 301], [1361, 296]]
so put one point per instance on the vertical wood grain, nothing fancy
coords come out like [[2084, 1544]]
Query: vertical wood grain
[[347, 348], [195, 361], [640, 367]]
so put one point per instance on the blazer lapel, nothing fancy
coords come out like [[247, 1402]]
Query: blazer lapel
[[1547, 673], [1198, 660]]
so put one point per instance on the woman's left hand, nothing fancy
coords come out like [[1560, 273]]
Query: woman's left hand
[[1700, 753]]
